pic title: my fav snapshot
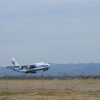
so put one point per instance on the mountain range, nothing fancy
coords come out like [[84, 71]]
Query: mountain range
[[60, 70]]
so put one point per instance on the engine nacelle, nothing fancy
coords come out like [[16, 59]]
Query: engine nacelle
[[28, 67], [16, 69], [20, 67]]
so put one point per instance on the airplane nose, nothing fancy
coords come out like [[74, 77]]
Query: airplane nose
[[49, 65]]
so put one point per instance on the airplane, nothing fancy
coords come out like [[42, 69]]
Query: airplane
[[29, 68]]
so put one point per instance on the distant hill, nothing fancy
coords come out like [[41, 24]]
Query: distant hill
[[60, 69]]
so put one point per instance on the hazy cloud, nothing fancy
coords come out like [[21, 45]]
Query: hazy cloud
[[58, 31]]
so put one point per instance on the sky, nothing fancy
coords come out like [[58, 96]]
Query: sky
[[55, 31]]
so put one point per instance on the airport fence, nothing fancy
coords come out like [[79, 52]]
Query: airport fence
[[65, 84]]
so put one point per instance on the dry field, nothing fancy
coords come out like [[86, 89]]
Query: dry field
[[50, 89]]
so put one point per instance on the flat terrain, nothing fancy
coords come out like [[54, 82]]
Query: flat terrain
[[73, 89], [49, 96]]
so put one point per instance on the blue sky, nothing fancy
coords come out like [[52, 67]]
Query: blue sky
[[57, 31]]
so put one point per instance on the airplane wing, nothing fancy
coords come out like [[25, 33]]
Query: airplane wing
[[24, 66], [27, 66], [12, 66]]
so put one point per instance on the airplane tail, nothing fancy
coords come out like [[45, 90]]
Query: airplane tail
[[14, 62]]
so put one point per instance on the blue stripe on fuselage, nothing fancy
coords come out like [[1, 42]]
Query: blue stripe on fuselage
[[34, 66]]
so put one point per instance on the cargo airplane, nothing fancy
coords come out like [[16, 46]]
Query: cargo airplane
[[29, 68]]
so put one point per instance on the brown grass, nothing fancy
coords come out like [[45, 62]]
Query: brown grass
[[52, 90]]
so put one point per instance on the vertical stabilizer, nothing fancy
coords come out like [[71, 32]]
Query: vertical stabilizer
[[14, 62]]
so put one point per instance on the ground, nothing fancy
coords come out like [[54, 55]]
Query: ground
[[50, 89]]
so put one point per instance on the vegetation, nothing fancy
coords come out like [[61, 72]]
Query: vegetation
[[51, 77]]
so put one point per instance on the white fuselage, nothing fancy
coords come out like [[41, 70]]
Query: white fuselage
[[36, 67]]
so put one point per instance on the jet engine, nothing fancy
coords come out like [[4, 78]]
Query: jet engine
[[16, 69], [28, 67]]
